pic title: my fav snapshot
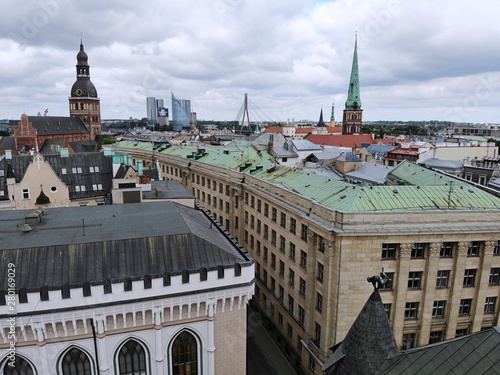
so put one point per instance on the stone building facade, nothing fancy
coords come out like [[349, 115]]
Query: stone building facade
[[315, 241]]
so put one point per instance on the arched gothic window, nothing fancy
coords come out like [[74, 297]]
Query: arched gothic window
[[132, 359], [76, 362], [21, 367], [185, 355]]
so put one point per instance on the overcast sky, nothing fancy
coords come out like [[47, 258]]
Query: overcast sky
[[418, 60]]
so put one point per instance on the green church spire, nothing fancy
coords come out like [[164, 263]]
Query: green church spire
[[353, 101]]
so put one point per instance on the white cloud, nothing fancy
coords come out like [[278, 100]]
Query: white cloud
[[417, 60]]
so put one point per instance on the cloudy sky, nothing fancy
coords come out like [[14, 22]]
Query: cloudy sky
[[418, 60]]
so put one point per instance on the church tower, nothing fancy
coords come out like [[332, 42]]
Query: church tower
[[83, 101], [353, 114]]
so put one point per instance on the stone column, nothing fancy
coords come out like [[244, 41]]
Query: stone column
[[39, 332], [159, 357], [431, 268], [401, 282], [456, 289], [482, 282], [102, 346], [211, 337]]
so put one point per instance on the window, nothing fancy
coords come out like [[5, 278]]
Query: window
[[319, 302], [266, 210], [252, 221], [21, 367], [414, 280], [408, 341], [282, 244], [185, 355], [411, 310], [292, 251], [273, 237], [63, 171], [265, 254], [303, 234], [259, 226], [291, 304], [264, 278], [303, 259], [438, 309], [273, 285], [494, 276], [281, 295], [289, 330], [273, 261], [489, 305], [461, 332], [435, 336], [312, 363], [282, 268], [266, 232], [132, 359], [274, 216], [321, 244], [302, 287], [496, 249], [389, 251], [26, 194], [321, 272], [291, 277], [302, 316], [317, 334], [469, 277], [388, 285], [465, 306], [293, 225], [280, 320], [76, 362], [283, 220], [418, 250], [446, 250], [473, 250], [258, 246], [443, 277], [259, 205], [387, 308]]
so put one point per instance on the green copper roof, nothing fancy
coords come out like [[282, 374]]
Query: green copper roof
[[424, 189], [408, 173], [353, 101]]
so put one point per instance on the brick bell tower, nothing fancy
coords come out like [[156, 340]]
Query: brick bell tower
[[83, 101]]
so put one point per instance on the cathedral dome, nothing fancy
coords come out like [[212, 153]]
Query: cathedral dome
[[83, 89], [81, 56]]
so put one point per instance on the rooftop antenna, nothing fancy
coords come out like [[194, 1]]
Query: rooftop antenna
[[450, 191]]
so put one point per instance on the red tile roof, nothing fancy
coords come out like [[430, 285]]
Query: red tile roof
[[348, 140]]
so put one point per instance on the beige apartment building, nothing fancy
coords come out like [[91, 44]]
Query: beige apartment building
[[315, 241]]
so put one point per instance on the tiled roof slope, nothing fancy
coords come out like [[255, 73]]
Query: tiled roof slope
[[367, 344], [73, 245], [57, 125], [336, 195], [474, 354]]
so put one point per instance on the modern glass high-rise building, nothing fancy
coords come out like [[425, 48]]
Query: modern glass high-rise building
[[181, 113], [151, 110], [156, 112]]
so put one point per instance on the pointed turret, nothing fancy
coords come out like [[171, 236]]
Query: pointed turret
[[321, 123], [332, 116], [367, 344], [352, 118], [353, 99]]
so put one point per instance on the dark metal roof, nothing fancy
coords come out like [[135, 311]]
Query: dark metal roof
[[367, 344], [85, 161], [97, 243], [477, 353], [167, 189], [57, 125]]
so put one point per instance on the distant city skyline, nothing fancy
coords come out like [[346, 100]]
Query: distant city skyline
[[417, 61]]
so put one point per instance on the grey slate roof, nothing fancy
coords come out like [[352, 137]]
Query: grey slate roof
[[58, 125], [73, 245], [7, 143], [367, 344], [475, 354], [104, 177], [167, 189]]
